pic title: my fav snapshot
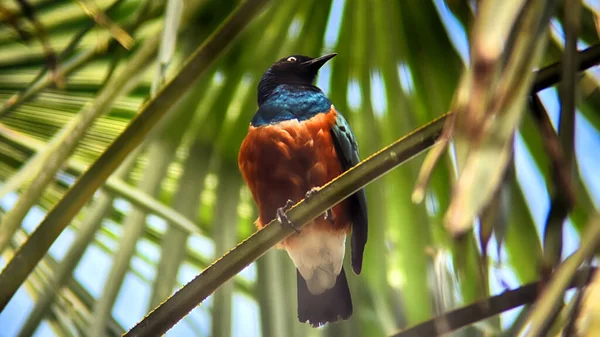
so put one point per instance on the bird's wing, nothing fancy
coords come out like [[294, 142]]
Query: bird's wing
[[347, 152]]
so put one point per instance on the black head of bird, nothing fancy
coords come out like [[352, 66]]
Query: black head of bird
[[294, 70]]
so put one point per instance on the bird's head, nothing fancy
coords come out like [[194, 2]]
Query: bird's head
[[292, 70]]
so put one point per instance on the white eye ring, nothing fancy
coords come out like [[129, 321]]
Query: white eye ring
[[291, 59]]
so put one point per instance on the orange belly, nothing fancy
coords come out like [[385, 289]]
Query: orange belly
[[284, 160]]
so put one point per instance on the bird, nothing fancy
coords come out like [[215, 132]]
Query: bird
[[297, 142]]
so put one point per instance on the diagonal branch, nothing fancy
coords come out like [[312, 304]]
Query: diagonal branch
[[483, 309], [187, 298], [118, 33], [550, 75]]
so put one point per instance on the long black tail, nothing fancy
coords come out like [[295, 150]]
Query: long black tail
[[333, 305]]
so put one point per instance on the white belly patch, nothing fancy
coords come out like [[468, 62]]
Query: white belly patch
[[319, 256]]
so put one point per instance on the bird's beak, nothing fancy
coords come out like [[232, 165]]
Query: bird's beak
[[318, 62]]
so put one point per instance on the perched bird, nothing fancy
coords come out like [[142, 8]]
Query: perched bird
[[297, 141]]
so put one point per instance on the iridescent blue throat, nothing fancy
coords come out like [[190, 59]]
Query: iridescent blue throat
[[290, 102]]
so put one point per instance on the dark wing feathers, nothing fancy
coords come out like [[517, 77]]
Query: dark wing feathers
[[347, 151]]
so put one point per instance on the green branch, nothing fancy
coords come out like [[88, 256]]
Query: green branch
[[483, 309], [550, 75], [187, 298]]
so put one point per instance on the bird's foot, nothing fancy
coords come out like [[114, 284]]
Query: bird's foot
[[311, 192], [283, 218], [328, 215]]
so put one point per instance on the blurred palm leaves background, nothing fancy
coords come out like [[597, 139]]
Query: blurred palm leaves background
[[178, 202]]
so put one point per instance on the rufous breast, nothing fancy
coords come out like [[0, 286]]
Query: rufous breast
[[284, 160]]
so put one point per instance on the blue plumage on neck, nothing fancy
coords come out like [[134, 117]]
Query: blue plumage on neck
[[288, 102]]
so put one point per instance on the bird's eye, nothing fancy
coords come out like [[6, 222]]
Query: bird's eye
[[291, 59]]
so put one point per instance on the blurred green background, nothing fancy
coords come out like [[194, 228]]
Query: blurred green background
[[178, 202]]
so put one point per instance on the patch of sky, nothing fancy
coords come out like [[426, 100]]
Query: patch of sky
[[586, 142], [65, 177], [452, 149], [334, 24], [500, 273], [354, 95], [532, 183], [156, 223], [33, 219], [378, 95], [112, 227], [406, 79], [63, 243], [454, 28], [9, 200], [559, 33], [570, 239], [146, 270], [105, 240], [122, 205], [44, 330], [15, 313], [549, 98], [189, 327], [199, 318], [202, 245], [501, 276], [187, 272], [92, 270], [593, 4], [132, 301], [149, 250], [536, 194], [432, 204], [218, 78], [508, 318], [294, 29], [324, 78], [246, 312], [249, 273]]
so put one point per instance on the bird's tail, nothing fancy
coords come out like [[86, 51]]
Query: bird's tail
[[333, 305]]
